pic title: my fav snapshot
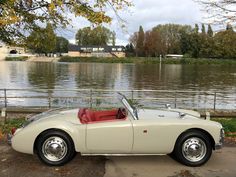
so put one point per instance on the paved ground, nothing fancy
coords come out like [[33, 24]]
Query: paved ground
[[14, 164], [221, 164]]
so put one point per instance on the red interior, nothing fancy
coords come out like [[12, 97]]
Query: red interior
[[88, 116]]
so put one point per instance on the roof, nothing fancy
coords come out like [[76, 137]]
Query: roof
[[106, 48]]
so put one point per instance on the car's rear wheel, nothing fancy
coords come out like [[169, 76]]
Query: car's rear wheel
[[55, 148], [193, 148]]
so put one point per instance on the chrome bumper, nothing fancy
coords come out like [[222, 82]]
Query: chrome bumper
[[218, 146], [222, 137], [9, 137]]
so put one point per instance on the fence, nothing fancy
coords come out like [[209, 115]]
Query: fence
[[53, 98]]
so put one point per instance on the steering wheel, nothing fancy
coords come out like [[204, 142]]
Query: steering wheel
[[121, 114]]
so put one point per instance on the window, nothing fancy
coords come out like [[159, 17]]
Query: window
[[119, 49], [95, 49]]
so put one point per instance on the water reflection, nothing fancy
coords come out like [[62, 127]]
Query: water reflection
[[117, 76]]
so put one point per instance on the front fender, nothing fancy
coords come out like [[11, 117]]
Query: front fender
[[24, 138]]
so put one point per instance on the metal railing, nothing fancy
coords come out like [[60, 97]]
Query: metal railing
[[52, 98]]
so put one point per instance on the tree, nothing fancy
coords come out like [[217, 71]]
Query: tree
[[96, 36], [229, 27], [170, 37], [220, 11], [152, 44], [18, 18], [42, 40], [61, 45], [207, 46], [113, 38], [185, 44], [196, 29], [129, 49], [133, 40], [225, 44], [140, 42], [195, 45], [209, 31], [203, 29]]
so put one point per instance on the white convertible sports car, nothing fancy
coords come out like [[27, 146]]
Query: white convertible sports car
[[55, 136]]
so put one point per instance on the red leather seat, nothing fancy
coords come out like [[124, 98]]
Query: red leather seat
[[90, 115], [86, 115], [82, 116]]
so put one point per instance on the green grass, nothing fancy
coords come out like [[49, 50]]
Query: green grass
[[9, 124], [229, 124], [16, 58], [146, 60]]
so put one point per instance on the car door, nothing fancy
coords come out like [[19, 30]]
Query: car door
[[154, 136], [110, 136]]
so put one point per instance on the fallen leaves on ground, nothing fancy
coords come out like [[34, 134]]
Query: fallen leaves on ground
[[185, 173]]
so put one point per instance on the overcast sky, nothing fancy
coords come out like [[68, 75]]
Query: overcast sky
[[147, 13]]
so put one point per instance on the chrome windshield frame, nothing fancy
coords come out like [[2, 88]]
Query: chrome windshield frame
[[127, 105]]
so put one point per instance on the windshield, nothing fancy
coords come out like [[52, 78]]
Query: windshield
[[126, 103]]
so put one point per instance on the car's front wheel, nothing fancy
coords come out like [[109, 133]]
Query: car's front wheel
[[193, 148], [55, 148]]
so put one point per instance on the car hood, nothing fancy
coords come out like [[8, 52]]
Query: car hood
[[167, 113]]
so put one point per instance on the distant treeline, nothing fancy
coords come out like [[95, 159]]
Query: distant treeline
[[183, 39]]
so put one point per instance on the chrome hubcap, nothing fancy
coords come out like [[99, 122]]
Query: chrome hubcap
[[194, 149], [54, 149]]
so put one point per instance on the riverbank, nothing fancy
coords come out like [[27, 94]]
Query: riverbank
[[16, 58], [135, 60], [141, 60], [33, 59]]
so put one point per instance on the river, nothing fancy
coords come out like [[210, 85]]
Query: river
[[209, 78]]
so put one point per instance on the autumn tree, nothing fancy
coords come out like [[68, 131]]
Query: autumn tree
[[61, 45], [42, 40], [152, 44], [140, 42], [18, 18], [133, 40], [191, 42], [225, 44], [170, 36], [94, 36]]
